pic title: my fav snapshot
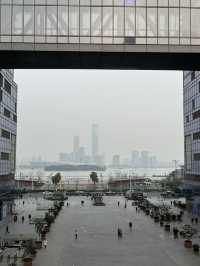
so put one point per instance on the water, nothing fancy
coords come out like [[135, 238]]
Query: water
[[85, 175]]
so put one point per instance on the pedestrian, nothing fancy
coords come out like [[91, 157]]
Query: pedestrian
[[82, 202], [136, 209], [22, 219], [29, 217], [118, 203], [23, 202], [130, 225], [192, 220], [125, 205], [196, 220], [15, 218], [76, 234], [7, 230], [119, 233], [175, 232], [45, 242]]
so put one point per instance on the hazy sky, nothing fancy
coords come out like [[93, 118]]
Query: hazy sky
[[135, 110]]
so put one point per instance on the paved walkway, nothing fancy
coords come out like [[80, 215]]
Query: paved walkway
[[97, 243]]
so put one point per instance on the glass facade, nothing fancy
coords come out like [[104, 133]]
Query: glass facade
[[163, 22], [191, 97], [8, 128]]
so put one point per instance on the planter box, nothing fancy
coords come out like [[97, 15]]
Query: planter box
[[188, 243], [27, 261]]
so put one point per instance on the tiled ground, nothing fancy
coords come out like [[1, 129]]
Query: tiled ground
[[98, 245]]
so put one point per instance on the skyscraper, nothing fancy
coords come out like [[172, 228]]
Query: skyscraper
[[116, 161], [145, 159], [135, 158], [76, 148], [94, 142]]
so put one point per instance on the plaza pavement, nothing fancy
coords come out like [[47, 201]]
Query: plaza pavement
[[98, 245]]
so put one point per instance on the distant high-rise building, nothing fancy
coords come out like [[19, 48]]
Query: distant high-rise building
[[145, 159], [82, 154], [135, 158], [116, 161], [100, 160], [63, 157], [95, 142], [153, 163], [76, 148]]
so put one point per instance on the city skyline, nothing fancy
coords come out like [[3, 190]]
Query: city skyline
[[116, 103]]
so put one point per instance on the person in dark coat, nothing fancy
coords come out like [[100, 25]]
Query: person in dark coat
[[7, 229], [130, 224], [119, 233]]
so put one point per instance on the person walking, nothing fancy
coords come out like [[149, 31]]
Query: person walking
[[118, 203], [29, 217], [76, 234], [119, 233], [45, 242], [130, 225], [7, 229], [15, 218], [196, 220], [22, 219]]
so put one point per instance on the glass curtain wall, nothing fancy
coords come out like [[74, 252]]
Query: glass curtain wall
[[174, 22]]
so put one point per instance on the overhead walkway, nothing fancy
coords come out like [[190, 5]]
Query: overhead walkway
[[142, 34]]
